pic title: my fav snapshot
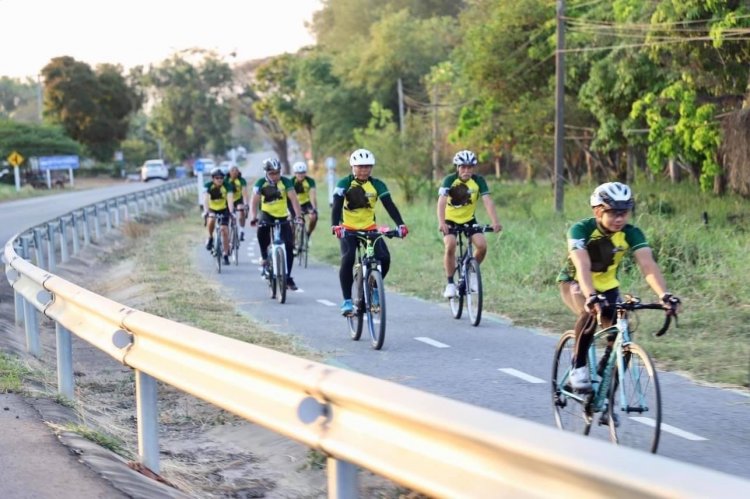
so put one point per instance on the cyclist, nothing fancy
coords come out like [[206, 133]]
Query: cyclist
[[457, 205], [304, 186], [241, 202], [270, 193], [354, 202], [588, 281], [218, 202]]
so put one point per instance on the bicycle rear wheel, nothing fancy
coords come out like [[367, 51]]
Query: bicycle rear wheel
[[473, 291], [280, 272], [570, 408], [300, 244], [356, 319], [457, 301], [635, 402], [375, 309]]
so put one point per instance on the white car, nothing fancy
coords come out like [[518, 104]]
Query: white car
[[154, 168], [208, 165], [225, 166]]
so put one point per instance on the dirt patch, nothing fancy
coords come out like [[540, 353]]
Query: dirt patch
[[205, 452]]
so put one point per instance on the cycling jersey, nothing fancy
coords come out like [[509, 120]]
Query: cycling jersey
[[273, 197], [218, 194], [239, 183], [302, 188], [360, 198], [605, 251], [462, 196]]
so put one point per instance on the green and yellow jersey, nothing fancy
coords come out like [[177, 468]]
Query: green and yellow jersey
[[218, 194], [605, 251], [302, 188], [462, 196], [360, 199], [238, 183], [273, 197]]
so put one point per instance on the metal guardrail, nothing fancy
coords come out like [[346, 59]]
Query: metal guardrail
[[430, 444]]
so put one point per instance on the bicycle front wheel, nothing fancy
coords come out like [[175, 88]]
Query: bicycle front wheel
[[570, 412], [218, 250], [635, 401], [457, 301], [375, 309], [473, 291], [235, 246], [356, 319], [280, 271]]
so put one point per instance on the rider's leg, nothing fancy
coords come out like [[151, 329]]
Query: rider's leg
[[264, 240], [313, 222], [287, 235], [210, 224], [382, 254], [449, 257], [480, 246], [348, 255]]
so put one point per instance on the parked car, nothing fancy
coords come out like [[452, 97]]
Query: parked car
[[154, 168], [208, 165], [225, 166]]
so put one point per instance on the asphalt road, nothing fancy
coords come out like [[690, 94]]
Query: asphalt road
[[495, 365]]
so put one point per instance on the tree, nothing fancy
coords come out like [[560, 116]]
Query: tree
[[34, 140], [19, 100], [94, 107]]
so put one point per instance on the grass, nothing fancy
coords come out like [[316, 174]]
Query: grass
[[704, 264], [13, 373]]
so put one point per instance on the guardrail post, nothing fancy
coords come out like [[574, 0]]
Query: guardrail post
[[51, 264], [38, 249], [116, 219], [76, 237], [107, 218], [86, 229], [136, 207], [148, 420], [32, 328], [64, 256], [342, 479], [64, 361], [97, 231]]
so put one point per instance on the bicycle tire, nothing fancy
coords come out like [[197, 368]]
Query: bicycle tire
[[570, 409], [375, 311], [235, 245], [356, 319], [637, 392], [473, 286], [218, 250], [305, 247], [280, 272], [457, 301], [270, 276]]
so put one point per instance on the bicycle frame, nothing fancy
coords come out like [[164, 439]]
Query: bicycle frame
[[276, 243]]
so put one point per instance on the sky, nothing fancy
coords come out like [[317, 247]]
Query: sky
[[142, 32]]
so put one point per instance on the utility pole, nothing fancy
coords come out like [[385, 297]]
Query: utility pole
[[559, 106], [400, 106], [435, 145]]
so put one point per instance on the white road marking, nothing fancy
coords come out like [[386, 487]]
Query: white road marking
[[326, 303], [432, 342], [521, 374], [669, 429]]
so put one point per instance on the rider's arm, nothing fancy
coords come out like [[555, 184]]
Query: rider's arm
[[644, 257], [337, 209], [245, 196], [314, 198], [489, 205], [441, 204], [254, 205], [292, 196], [582, 262], [230, 201], [390, 207]]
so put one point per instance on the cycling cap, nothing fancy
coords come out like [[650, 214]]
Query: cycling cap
[[216, 172], [362, 157], [272, 165], [614, 195], [464, 158], [299, 167]]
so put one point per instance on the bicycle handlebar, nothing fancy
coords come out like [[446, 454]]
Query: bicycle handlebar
[[470, 229], [374, 233], [633, 303]]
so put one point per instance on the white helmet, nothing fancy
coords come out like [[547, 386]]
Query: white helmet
[[614, 195], [464, 158], [271, 165], [362, 157], [299, 167]]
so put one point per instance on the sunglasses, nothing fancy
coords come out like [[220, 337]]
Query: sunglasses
[[617, 213], [218, 176]]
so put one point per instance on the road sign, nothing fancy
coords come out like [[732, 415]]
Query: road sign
[[15, 159]]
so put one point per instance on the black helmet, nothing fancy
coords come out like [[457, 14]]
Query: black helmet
[[216, 172], [272, 165]]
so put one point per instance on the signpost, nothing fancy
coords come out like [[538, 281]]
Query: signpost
[[331, 167], [198, 168], [49, 163], [16, 159]]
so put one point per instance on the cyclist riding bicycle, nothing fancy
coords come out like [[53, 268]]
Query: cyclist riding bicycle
[[242, 199], [219, 203], [354, 201], [304, 186], [588, 281], [271, 193], [457, 205]]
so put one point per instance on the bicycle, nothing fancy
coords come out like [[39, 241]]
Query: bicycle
[[234, 240], [626, 381], [276, 273], [467, 270], [368, 291], [216, 251], [301, 239]]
